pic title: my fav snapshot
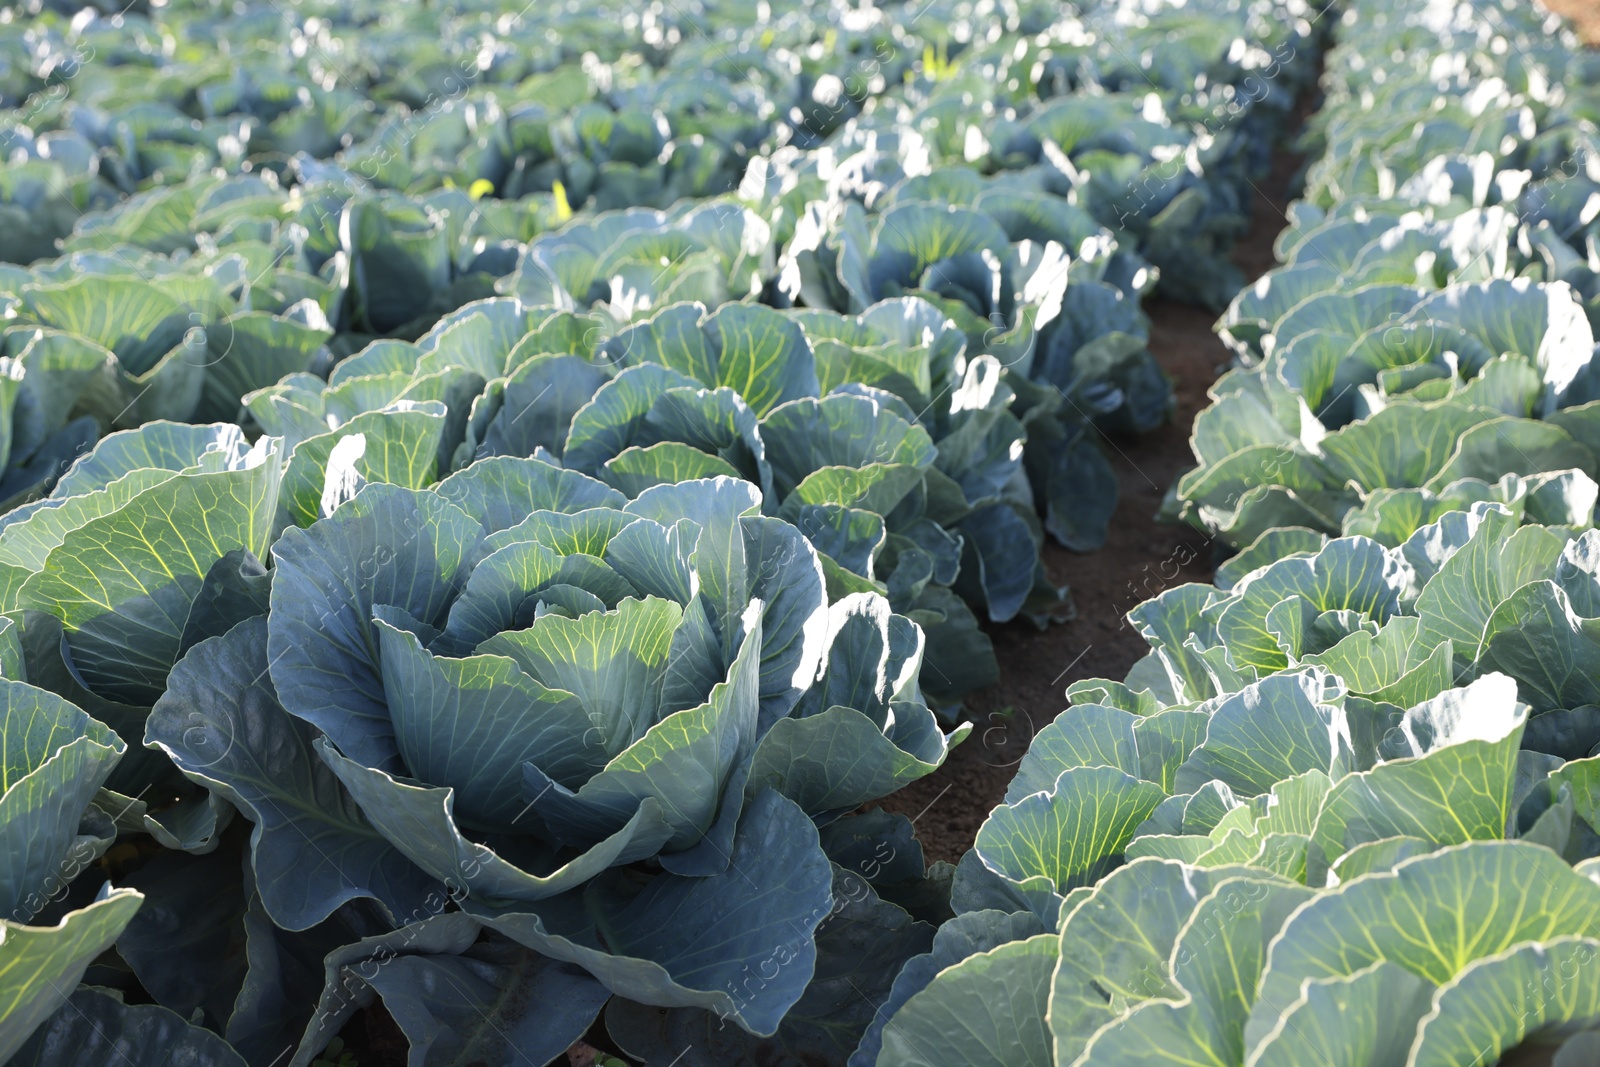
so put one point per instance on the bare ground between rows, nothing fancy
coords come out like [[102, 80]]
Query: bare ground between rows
[[1141, 557]]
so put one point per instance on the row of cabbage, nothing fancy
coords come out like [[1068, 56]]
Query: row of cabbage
[[1157, 117], [1347, 809], [1433, 317], [187, 299], [900, 455]]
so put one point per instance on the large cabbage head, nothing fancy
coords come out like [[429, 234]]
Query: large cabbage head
[[581, 715]]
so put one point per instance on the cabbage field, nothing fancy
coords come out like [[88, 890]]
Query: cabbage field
[[496, 505]]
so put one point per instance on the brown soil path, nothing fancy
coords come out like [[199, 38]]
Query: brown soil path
[[1141, 558]]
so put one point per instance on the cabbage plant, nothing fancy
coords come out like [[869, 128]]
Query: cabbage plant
[[570, 713], [56, 760], [1389, 389]]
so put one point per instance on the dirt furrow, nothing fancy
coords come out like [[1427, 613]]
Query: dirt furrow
[[1141, 557]]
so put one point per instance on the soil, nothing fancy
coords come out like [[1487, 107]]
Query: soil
[[1585, 16], [1140, 559]]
